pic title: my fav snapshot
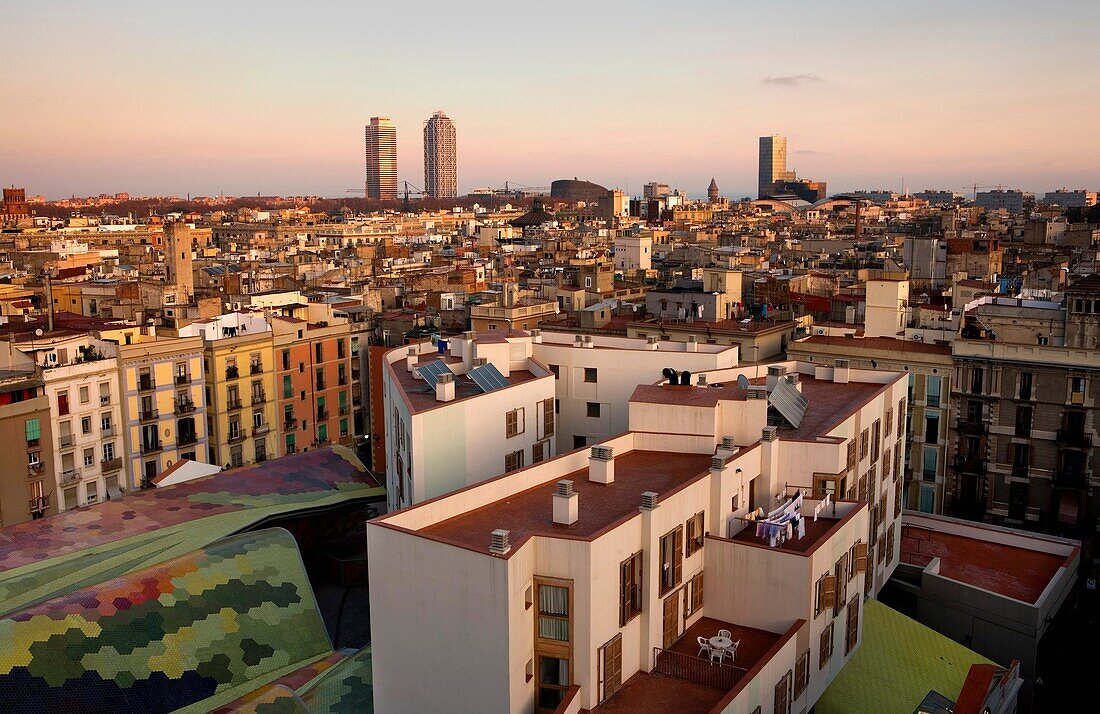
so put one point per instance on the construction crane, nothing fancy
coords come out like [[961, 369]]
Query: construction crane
[[410, 190]]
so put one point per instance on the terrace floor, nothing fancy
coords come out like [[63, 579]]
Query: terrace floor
[[1017, 573], [815, 531]]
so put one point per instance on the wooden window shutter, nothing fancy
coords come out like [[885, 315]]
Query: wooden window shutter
[[624, 591], [861, 557], [828, 592], [825, 648], [678, 556], [853, 625], [548, 417], [697, 593]]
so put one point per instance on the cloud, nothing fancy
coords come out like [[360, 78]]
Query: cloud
[[791, 80]]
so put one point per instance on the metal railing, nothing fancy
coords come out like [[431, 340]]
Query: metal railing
[[147, 385], [236, 436], [70, 476], [233, 404], [186, 438], [1074, 438], [696, 669], [260, 429], [183, 406], [1072, 479], [65, 441], [232, 373], [183, 379], [259, 397], [256, 368], [108, 465], [150, 447], [148, 414]]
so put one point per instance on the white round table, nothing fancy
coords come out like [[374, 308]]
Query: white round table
[[719, 642]]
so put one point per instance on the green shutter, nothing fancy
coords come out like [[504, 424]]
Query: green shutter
[[287, 392], [343, 399], [34, 429], [322, 432], [343, 427]]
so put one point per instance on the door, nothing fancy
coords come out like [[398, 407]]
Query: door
[[611, 664], [672, 619]]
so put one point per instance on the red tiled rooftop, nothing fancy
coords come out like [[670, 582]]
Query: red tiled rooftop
[[886, 344], [1014, 572], [530, 512], [421, 398]]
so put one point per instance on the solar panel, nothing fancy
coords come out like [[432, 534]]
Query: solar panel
[[742, 381], [488, 378], [431, 371], [788, 401]]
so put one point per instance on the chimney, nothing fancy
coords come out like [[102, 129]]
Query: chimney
[[756, 391], [769, 433], [717, 463], [578, 340], [649, 501], [601, 465], [701, 380], [566, 504], [588, 341], [445, 388], [480, 361], [793, 378], [692, 344], [536, 336], [840, 371], [651, 343], [499, 545], [412, 359], [774, 373]]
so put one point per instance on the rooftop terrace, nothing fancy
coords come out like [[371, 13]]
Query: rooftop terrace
[[421, 397], [530, 513]]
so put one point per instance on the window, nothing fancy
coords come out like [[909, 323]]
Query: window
[[540, 450], [92, 492], [288, 391], [693, 595], [931, 427], [553, 620], [858, 558], [286, 359], [801, 674], [320, 377], [977, 380], [86, 425], [322, 433], [555, 369], [630, 588], [876, 439], [62, 403], [1026, 379], [33, 430], [932, 391], [290, 448], [343, 427], [852, 634], [783, 694], [257, 419], [548, 418], [695, 534], [825, 649], [593, 410], [672, 559], [318, 352], [84, 396], [341, 349], [864, 444], [590, 374], [553, 682], [1023, 421], [826, 594], [89, 457], [513, 422], [888, 422], [901, 417], [513, 461]]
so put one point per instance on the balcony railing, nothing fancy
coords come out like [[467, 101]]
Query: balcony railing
[[968, 426], [104, 399], [40, 505], [65, 441], [150, 447], [147, 385], [972, 464], [260, 429], [237, 436], [183, 406], [343, 410], [258, 398], [696, 669], [255, 368], [35, 469], [232, 373], [109, 431], [183, 379], [70, 476], [291, 423], [233, 404], [186, 438], [1074, 439], [322, 414], [341, 381], [108, 465], [1021, 470], [148, 414]]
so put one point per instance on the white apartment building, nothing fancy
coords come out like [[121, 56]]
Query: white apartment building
[[587, 581], [445, 431], [594, 376], [81, 383], [634, 251]]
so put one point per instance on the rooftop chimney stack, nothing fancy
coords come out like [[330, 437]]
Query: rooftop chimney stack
[[536, 336], [588, 342], [775, 373], [651, 343], [499, 545], [649, 501], [692, 344], [840, 371], [566, 504], [445, 388], [601, 465], [412, 359]]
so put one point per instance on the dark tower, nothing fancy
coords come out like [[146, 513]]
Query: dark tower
[[712, 191]]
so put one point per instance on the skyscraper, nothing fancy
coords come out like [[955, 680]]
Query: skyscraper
[[773, 164], [381, 159], [440, 157]]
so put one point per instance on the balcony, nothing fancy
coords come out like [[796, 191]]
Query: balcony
[[232, 372], [150, 447], [322, 414], [289, 424], [65, 441], [148, 415], [258, 398], [260, 429], [182, 406], [344, 410], [341, 381], [35, 469], [1074, 439], [185, 438], [970, 426], [232, 405], [107, 432], [39, 506], [183, 379], [260, 458], [971, 464], [70, 476], [109, 465], [236, 437], [1021, 471], [146, 384], [1074, 479], [104, 399], [255, 368]]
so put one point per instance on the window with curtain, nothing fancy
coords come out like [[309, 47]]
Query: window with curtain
[[554, 612], [932, 391]]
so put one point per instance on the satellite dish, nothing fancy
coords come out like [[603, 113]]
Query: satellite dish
[[742, 381]]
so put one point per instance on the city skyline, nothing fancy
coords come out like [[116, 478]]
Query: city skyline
[[857, 90]]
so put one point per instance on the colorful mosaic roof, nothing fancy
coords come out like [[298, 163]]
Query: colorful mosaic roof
[[195, 633], [45, 558]]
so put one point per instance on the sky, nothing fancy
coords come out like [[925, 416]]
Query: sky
[[242, 97]]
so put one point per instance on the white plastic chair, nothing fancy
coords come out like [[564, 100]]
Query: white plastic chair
[[732, 651], [704, 646], [725, 633], [719, 653]]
